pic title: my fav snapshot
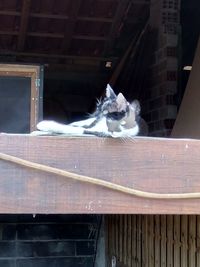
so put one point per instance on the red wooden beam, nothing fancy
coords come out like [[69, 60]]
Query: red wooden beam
[[152, 165]]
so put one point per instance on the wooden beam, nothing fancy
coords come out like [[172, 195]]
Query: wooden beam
[[149, 164], [70, 25], [23, 24], [56, 35], [188, 120], [121, 8], [69, 57], [54, 16]]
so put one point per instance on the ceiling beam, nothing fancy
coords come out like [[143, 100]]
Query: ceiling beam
[[55, 16], [23, 24], [60, 56], [121, 9], [56, 35], [70, 25]]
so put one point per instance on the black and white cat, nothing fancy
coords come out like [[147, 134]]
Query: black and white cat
[[114, 117]]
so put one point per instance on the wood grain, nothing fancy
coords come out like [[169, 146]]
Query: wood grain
[[154, 165]]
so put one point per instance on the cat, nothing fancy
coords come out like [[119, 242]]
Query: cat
[[114, 117]]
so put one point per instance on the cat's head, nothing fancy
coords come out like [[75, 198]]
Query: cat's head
[[114, 107]]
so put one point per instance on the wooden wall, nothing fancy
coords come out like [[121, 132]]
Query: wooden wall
[[153, 240]]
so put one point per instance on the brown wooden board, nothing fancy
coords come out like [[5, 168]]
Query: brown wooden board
[[149, 164]]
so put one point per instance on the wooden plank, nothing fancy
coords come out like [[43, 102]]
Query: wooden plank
[[170, 241], [112, 248], [117, 236], [184, 241], [198, 240], [187, 122], [54, 16], [139, 241], [107, 233], [145, 238], [151, 247], [23, 24], [163, 245], [70, 25], [125, 239], [134, 240], [59, 56], [129, 241], [192, 241], [121, 232], [152, 165], [157, 241], [114, 30], [177, 227]]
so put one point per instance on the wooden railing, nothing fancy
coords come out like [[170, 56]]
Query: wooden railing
[[161, 166]]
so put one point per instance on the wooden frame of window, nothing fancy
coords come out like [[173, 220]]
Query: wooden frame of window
[[33, 72]]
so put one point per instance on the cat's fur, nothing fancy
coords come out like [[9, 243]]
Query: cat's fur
[[114, 117]]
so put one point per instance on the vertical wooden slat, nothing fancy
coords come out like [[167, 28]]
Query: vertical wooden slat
[[108, 239], [129, 239], [113, 252], [177, 250], [151, 248], [134, 241], [169, 241], [198, 240], [139, 241], [163, 241], [184, 240], [125, 240], [121, 238], [117, 237], [144, 240], [192, 245], [157, 241]]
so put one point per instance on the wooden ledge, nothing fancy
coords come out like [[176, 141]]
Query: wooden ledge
[[149, 164]]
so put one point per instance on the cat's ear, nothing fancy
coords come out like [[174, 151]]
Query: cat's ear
[[109, 92], [136, 105], [121, 102]]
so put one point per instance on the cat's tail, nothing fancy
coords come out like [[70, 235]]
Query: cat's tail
[[59, 128]]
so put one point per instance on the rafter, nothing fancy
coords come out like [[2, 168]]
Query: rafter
[[55, 16], [70, 25], [56, 35], [23, 24], [44, 55], [122, 6]]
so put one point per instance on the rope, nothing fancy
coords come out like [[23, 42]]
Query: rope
[[95, 181]]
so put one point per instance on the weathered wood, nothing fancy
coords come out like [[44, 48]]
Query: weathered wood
[[23, 24], [134, 241], [70, 25], [192, 241], [184, 241], [170, 241], [187, 122], [163, 244], [153, 165], [157, 241], [151, 245], [177, 250], [198, 241], [145, 238], [33, 72], [129, 240], [139, 241], [55, 16]]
